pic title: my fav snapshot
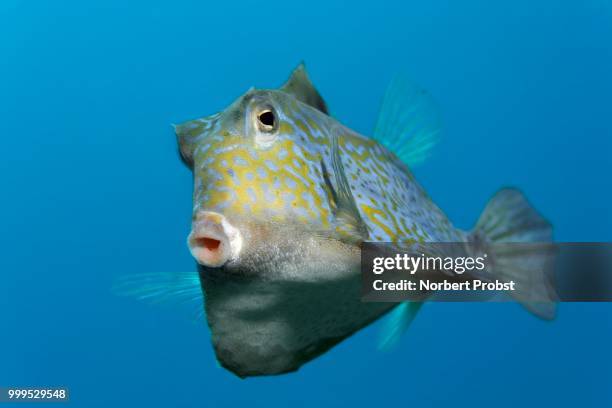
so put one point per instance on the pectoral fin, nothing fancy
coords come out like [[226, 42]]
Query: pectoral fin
[[349, 223]]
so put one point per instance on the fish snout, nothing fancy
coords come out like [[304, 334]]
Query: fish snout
[[213, 241]]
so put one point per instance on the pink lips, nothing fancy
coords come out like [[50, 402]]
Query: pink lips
[[213, 241]]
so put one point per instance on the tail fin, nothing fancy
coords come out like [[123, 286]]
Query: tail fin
[[509, 219]]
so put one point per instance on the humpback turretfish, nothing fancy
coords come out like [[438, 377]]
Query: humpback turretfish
[[283, 196]]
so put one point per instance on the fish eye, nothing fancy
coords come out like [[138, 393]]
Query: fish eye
[[267, 120]]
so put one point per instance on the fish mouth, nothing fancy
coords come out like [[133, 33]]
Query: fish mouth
[[213, 240]]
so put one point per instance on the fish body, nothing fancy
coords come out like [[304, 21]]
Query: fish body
[[283, 196], [282, 179]]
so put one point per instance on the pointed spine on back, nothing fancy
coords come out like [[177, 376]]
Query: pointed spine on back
[[301, 88]]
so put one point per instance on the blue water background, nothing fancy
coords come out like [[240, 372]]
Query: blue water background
[[92, 188]]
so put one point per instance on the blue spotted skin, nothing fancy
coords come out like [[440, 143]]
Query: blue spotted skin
[[302, 190], [241, 170]]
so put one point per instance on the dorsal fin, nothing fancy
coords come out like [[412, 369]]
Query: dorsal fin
[[409, 122], [303, 90]]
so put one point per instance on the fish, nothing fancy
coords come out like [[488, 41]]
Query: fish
[[285, 195]]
